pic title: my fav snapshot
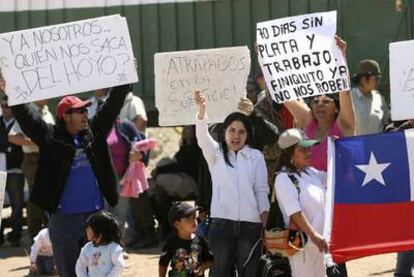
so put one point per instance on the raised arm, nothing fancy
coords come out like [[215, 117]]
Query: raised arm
[[346, 117], [207, 144], [103, 121], [30, 122], [300, 111]]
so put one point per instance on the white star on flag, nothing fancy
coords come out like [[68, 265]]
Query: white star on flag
[[373, 170]]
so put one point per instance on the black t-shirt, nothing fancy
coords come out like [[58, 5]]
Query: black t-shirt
[[185, 255]]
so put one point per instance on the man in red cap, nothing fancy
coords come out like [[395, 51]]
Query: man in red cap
[[75, 171]]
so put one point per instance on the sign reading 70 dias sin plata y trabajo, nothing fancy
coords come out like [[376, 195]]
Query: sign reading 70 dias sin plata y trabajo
[[299, 56]]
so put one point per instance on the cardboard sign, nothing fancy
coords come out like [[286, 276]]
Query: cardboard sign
[[221, 74], [299, 56], [68, 58], [402, 80]]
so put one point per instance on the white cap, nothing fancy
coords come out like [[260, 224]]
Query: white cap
[[294, 136]]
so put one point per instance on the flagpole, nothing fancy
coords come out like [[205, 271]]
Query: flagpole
[[329, 198]]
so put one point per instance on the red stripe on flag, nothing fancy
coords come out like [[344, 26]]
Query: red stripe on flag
[[369, 229]]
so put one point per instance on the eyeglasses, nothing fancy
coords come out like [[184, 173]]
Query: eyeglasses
[[323, 101], [77, 111]]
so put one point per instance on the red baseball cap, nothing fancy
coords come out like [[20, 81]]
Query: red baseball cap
[[70, 102]]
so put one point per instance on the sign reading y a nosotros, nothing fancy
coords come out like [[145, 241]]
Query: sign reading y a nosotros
[[221, 74], [67, 58], [299, 56]]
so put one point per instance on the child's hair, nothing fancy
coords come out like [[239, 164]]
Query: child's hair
[[103, 223]]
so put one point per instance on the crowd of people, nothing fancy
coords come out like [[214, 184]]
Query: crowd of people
[[80, 222]]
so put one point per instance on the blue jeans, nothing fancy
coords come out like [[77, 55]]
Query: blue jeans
[[231, 242], [405, 263], [15, 189], [67, 233]]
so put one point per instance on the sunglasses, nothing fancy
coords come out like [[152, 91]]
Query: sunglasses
[[77, 111], [323, 101]]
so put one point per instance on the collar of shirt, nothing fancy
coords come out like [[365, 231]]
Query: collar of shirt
[[245, 152], [7, 122], [361, 95]]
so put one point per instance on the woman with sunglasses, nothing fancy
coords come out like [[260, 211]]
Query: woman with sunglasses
[[327, 116]]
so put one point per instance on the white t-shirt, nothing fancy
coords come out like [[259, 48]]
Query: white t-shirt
[[133, 106], [104, 260], [310, 200]]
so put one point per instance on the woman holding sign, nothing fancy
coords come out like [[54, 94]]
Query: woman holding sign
[[327, 116], [239, 205]]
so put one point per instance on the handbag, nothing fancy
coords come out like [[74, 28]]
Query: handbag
[[279, 240]]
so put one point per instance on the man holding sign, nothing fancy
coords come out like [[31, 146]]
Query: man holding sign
[[75, 172]]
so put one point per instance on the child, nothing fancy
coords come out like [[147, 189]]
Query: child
[[41, 255], [189, 254], [102, 255]]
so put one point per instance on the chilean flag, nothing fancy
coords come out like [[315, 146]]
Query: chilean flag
[[370, 197]]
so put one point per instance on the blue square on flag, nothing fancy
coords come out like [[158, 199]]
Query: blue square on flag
[[366, 169]]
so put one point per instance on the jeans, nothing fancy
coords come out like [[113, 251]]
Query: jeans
[[231, 242], [405, 262], [67, 233], [15, 189]]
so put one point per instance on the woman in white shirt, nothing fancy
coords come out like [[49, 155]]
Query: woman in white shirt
[[302, 202], [239, 205]]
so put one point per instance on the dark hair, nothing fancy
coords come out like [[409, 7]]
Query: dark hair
[[286, 158], [356, 80], [236, 116], [193, 141], [103, 223], [333, 96]]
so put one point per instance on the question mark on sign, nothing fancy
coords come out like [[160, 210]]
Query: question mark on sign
[[127, 58]]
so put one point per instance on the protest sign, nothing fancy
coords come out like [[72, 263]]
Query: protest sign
[[221, 74], [3, 179], [402, 80], [299, 56], [68, 58]]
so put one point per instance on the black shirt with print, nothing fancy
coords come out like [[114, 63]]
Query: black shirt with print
[[185, 255]]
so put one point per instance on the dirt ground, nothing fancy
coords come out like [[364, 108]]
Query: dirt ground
[[15, 261]]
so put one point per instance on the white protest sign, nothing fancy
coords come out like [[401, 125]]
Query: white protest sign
[[402, 80], [68, 58], [3, 179], [299, 56], [220, 73]]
